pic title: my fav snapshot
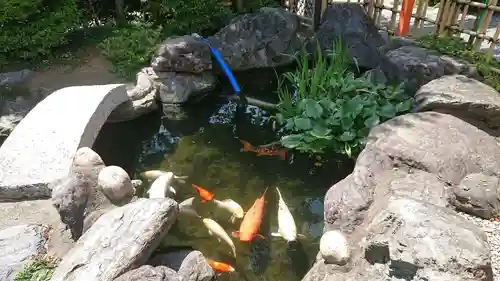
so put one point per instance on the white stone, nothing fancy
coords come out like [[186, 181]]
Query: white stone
[[40, 150], [334, 247], [115, 183]]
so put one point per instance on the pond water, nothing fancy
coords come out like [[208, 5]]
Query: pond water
[[206, 149]]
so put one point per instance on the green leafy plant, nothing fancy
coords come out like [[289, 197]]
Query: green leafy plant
[[41, 269], [31, 29], [131, 47], [330, 109], [456, 47]]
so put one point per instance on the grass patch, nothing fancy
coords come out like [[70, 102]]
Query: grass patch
[[456, 47], [331, 108], [41, 269]]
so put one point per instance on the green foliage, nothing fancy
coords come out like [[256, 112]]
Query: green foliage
[[30, 29], [334, 110], [179, 17], [131, 47], [39, 270], [456, 47]]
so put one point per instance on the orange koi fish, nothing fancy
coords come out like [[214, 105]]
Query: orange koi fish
[[263, 151], [220, 266], [250, 225], [205, 194]]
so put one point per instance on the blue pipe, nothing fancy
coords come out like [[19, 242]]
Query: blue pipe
[[224, 66]]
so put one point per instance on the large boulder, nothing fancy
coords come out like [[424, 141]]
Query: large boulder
[[127, 237], [268, 38], [416, 66], [436, 143], [463, 97], [408, 239], [178, 88], [348, 24]]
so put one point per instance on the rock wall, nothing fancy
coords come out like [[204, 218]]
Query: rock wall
[[399, 207]]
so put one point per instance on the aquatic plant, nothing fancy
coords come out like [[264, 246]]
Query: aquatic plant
[[330, 108]]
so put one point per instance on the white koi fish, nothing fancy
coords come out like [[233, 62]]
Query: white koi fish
[[152, 175], [231, 206], [161, 187], [216, 230], [186, 207], [286, 224]]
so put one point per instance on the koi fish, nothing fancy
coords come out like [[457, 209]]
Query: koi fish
[[263, 151], [205, 194], [286, 224], [216, 230], [250, 225], [231, 206], [220, 266], [152, 175], [186, 207], [162, 187]]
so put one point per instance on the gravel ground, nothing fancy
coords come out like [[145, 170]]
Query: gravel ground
[[492, 230]]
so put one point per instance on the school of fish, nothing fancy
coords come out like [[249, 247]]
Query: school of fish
[[251, 221]]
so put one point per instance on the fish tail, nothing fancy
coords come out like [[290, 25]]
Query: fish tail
[[247, 147], [264, 194]]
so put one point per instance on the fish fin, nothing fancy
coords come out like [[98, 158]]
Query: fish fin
[[232, 219], [302, 236], [275, 234], [210, 232], [260, 236], [172, 190], [235, 234], [263, 194], [247, 147], [282, 154], [203, 201]]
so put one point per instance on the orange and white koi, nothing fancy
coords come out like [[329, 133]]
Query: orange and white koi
[[205, 194], [263, 150]]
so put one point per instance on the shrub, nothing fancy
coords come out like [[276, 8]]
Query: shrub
[[332, 110], [456, 47], [41, 269], [131, 47], [31, 28]]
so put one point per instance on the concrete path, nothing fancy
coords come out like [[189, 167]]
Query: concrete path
[[40, 149]]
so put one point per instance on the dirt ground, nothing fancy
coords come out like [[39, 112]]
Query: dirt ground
[[92, 69]]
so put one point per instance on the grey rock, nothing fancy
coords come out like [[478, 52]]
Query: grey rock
[[128, 235], [349, 23], [136, 183], [149, 273], [463, 97], [15, 77], [396, 42], [479, 195], [416, 66], [190, 265], [115, 184], [142, 98], [93, 216], [436, 143], [417, 184], [180, 87], [15, 102], [268, 38], [71, 196], [182, 54], [377, 76], [19, 245], [175, 112]]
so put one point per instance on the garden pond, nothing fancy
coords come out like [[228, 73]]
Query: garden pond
[[205, 147]]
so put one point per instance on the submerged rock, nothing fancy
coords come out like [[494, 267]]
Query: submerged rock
[[19, 245], [128, 235], [182, 54], [349, 24], [267, 38], [142, 98]]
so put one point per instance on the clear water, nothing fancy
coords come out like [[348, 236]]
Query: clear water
[[206, 148]]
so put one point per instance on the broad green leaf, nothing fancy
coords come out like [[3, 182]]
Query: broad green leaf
[[290, 124], [291, 141], [388, 111], [347, 136], [372, 121], [303, 123], [321, 133], [353, 107], [404, 106], [333, 121], [313, 109], [347, 122]]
